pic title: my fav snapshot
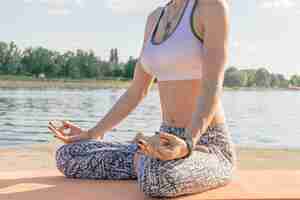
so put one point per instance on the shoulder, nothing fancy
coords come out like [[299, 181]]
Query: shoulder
[[214, 7], [155, 12], [154, 15], [214, 13], [151, 20]]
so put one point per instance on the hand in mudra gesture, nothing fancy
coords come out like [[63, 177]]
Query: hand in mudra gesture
[[163, 146], [67, 132]]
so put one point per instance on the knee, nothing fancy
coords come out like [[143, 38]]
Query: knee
[[156, 181], [62, 158], [159, 185]]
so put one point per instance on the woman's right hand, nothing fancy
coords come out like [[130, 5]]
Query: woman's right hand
[[75, 132], [164, 146]]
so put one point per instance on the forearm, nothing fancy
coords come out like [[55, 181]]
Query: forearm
[[207, 106], [208, 102], [121, 109]]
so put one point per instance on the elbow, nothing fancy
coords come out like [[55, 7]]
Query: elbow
[[137, 94], [217, 57], [142, 94]]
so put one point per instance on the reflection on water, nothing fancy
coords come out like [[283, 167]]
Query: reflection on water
[[255, 118]]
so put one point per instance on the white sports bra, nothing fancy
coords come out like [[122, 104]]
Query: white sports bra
[[179, 56]]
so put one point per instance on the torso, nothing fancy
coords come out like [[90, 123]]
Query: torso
[[178, 102], [179, 97]]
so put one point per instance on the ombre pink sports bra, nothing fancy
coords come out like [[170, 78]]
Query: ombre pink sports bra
[[179, 56]]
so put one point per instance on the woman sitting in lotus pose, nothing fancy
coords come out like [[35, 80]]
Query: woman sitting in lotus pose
[[185, 48]]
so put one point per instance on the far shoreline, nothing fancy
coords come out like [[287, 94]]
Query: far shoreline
[[96, 84], [64, 84]]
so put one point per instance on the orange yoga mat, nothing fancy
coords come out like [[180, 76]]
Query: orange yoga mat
[[52, 185]]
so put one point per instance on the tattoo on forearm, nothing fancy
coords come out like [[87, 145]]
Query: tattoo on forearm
[[213, 88], [206, 106]]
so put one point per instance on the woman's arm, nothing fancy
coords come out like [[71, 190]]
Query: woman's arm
[[125, 104], [138, 89], [216, 24]]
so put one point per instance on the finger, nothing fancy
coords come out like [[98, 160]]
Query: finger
[[142, 142], [58, 131], [166, 151], [159, 154], [146, 146], [57, 134], [52, 124], [164, 140], [66, 124], [163, 137], [69, 124], [173, 138], [145, 151], [142, 146], [163, 155], [61, 128], [150, 150], [53, 128], [168, 136]]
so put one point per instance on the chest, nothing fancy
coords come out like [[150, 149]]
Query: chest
[[166, 27]]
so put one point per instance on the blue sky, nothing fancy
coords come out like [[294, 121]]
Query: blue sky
[[263, 32]]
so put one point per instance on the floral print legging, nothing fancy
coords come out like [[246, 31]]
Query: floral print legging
[[95, 159]]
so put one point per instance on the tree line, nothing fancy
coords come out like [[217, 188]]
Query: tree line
[[79, 64], [260, 77]]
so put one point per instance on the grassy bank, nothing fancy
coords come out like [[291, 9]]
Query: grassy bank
[[15, 82], [8, 81]]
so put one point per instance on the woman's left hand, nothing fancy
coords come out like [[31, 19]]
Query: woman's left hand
[[163, 146]]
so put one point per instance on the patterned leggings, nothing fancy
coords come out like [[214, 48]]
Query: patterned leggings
[[94, 159]]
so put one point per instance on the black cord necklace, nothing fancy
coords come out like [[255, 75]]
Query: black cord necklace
[[168, 23]]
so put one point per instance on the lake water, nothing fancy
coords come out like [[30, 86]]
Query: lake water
[[255, 118]]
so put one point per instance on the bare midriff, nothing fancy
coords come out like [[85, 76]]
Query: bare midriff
[[178, 100]]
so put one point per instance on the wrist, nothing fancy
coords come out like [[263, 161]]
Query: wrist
[[93, 133], [188, 138]]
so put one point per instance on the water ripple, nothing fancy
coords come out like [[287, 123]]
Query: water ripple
[[255, 118]]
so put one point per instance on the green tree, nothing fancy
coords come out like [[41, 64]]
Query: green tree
[[10, 58], [243, 78], [284, 83], [105, 69], [129, 67], [41, 60], [232, 77], [295, 80], [275, 81], [73, 66], [262, 78], [117, 70], [251, 81], [66, 65]]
